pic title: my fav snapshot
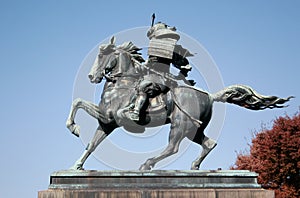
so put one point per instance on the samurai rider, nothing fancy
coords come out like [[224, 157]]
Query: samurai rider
[[162, 52]]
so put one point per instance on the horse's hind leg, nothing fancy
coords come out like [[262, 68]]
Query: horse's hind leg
[[99, 136], [207, 144], [89, 107], [175, 137]]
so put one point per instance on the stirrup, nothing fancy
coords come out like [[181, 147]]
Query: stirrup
[[134, 116]]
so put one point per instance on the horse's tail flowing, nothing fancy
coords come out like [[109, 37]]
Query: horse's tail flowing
[[245, 96]]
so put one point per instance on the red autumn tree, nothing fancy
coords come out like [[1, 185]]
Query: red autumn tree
[[275, 156]]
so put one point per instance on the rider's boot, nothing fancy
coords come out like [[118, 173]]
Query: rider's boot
[[139, 103]]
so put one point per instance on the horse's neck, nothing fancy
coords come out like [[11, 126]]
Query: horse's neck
[[124, 74], [125, 66]]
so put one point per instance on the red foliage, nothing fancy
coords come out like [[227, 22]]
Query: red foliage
[[275, 156]]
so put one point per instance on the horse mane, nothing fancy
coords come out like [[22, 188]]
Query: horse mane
[[133, 50]]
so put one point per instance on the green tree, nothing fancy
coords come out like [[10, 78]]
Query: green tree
[[275, 156]]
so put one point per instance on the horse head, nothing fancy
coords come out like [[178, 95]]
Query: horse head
[[105, 61], [115, 60]]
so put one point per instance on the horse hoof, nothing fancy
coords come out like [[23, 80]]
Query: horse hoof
[[195, 168], [144, 167], [76, 130], [76, 167]]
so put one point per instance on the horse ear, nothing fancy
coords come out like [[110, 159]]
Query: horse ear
[[113, 40]]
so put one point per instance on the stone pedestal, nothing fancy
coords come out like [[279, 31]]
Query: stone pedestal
[[157, 183]]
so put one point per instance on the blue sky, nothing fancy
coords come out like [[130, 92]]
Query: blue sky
[[43, 44]]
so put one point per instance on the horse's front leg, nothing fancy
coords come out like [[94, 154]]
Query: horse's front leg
[[89, 107], [99, 136]]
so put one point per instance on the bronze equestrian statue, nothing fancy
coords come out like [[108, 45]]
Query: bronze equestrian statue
[[186, 108]]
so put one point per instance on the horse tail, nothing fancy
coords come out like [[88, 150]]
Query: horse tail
[[245, 96]]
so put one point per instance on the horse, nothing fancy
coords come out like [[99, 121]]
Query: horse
[[187, 109]]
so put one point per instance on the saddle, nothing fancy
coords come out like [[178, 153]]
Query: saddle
[[156, 104]]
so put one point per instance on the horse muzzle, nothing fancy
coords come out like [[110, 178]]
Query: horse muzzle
[[94, 79]]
